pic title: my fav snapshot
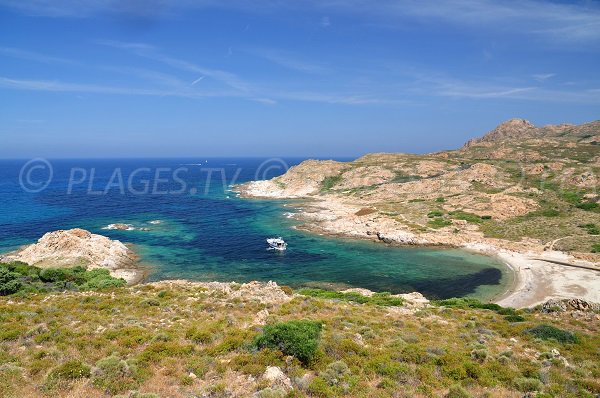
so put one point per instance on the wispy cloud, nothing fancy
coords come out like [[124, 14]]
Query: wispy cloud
[[540, 77], [34, 56], [60, 86], [152, 52], [560, 22], [289, 60], [494, 89], [577, 21]]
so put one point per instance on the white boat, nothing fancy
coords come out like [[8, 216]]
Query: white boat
[[277, 243]]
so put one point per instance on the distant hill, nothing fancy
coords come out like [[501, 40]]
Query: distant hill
[[521, 129]]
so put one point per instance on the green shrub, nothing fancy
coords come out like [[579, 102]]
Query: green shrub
[[67, 372], [53, 275], [548, 332], [457, 302], [336, 373], [299, 338], [457, 391], [438, 223], [462, 215], [329, 182], [435, 213], [150, 303], [480, 354], [596, 248], [527, 384], [549, 213], [383, 299], [318, 387], [20, 277], [591, 229], [514, 318], [440, 199], [572, 197], [71, 370], [114, 374], [9, 282], [587, 206]]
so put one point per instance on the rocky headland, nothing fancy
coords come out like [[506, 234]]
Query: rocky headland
[[523, 193], [68, 248]]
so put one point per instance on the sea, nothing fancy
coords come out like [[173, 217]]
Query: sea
[[186, 222]]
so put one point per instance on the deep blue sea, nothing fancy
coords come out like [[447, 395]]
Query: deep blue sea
[[188, 224]]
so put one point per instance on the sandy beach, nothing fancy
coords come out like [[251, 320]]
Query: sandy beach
[[536, 281]]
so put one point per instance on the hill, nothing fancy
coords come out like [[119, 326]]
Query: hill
[[184, 339]]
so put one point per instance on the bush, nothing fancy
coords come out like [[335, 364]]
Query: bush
[[9, 282], [514, 318], [318, 387], [435, 213], [457, 391], [527, 384], [114, 374], [587, 206], [336, 373], [591, 229], [383, 299], [596, 248], [299, 338], [474, 303], [438, 223], [549, 213], [440, 199], [71, 370], [150, 303], [479, 355], [18, 276], [52, 275], [462, 215], [547, 332], [329, 182]]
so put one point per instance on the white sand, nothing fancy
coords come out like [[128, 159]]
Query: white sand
[[537, 281]]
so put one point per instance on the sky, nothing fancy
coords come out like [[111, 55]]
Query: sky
[[308, 78]]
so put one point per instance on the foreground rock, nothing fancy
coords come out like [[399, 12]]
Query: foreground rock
[[68, 248]]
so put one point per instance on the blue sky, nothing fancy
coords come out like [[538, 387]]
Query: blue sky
[[330, 78]]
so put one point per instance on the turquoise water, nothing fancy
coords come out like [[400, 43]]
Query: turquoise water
[[207, 233]]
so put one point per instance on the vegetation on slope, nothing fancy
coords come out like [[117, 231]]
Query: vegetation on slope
[[184, 341], [19, 277]]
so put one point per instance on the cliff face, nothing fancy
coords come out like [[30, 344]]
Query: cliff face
[[75, 247]]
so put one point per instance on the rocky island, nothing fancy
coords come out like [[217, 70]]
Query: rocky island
[[73, 247], [523, 193]]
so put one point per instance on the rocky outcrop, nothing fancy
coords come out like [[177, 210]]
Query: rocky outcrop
[[265, 293], [302, 180], [65, 248], [511, 129], [556, 305], [520, 129]]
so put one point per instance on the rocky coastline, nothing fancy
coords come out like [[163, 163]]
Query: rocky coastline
[[68, 248], [389, 198]]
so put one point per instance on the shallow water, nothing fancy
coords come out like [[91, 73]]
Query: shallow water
[[207, 233]]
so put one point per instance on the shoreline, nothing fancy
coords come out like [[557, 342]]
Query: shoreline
[[537, 275]]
